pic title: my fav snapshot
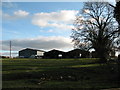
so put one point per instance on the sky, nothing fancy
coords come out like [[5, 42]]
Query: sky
[[37, 25]]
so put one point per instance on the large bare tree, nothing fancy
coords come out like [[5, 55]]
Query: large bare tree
[[117, 16], [95, 27]]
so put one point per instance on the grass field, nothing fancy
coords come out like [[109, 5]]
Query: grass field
[[59, 73]]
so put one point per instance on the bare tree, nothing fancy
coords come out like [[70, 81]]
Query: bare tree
[[117, 12], [117, 16], [95, 27]]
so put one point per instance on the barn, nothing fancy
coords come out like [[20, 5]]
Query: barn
[[31, 53], [78, 53], [54, 54]]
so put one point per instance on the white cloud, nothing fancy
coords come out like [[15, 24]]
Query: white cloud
[[50, 30], [62, 19], [47, 31], [21, 13], [41, 42], [16, 15]]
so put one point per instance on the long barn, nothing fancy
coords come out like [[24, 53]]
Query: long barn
[[28, 52]]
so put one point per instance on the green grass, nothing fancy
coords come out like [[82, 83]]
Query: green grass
[[59, 73]]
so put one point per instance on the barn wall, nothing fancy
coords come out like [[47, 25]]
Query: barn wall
[[27, 53]]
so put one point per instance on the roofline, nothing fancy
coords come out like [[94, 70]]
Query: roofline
[[55, 49], [33, 49], [78, 49]]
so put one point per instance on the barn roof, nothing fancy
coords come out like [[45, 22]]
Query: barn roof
[[77, 50], [32, 49], [54, 50]]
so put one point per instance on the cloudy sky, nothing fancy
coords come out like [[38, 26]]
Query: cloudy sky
[[39, 25]]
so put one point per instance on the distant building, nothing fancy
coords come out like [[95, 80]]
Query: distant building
[[31, 53], [78, 53], [54, 54]]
